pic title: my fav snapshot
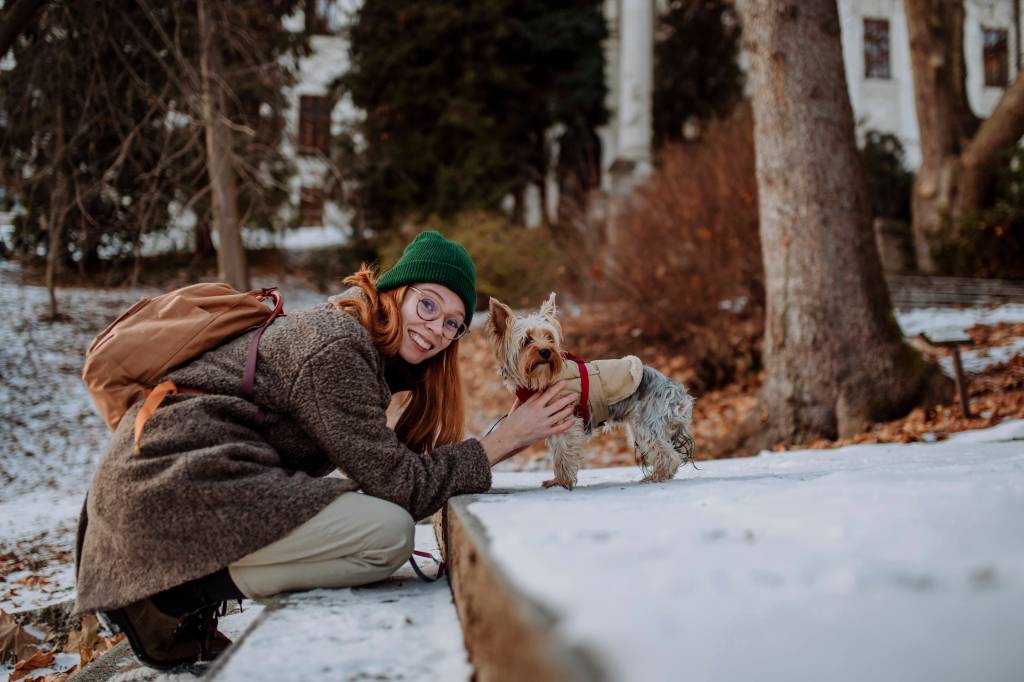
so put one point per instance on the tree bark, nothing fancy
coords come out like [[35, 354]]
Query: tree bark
[[957, 156], [17, 17], [231, 263], [835, 360], [53, 223], [997, 133]]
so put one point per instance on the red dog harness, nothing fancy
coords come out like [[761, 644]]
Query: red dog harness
[[582, 409]]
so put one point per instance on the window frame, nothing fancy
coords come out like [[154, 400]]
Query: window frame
[[314, 129], [1002, 79], [320, 24], [874, 52]]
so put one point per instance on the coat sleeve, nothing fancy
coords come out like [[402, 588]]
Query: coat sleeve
[[338, 399]]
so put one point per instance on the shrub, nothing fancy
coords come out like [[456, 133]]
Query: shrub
[[991, 243], [517, 265], [886, 179], [685, 254]]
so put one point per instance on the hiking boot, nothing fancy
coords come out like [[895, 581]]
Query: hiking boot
[[201, 626], [156, 638], [161, 641]]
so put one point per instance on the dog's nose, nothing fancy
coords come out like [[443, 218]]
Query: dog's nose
[[545, 353]]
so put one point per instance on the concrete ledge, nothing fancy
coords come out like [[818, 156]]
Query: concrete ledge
[[509, 636]]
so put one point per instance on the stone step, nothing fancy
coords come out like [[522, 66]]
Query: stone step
[[511, 637], [398, 629], [858, 563]]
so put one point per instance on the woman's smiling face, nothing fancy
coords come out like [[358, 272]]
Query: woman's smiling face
[[423, 339]]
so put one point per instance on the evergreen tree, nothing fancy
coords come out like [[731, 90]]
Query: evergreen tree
[[120, 80], [459, 97], [696, 72]]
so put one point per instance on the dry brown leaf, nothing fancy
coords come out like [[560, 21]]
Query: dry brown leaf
[[14, 639], [86, 636], [40, 659], [85, 655], [32, 581], [110, 642]]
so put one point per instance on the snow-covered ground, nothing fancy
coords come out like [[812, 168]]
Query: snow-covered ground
[[400, 629], [944, 323], [51, 438], [869, 562]]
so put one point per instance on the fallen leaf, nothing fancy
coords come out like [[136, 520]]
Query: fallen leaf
[[40, 659], [86, 636], [85, 655], [14, 639], [32, 581]]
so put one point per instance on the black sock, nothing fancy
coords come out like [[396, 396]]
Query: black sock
[[195, 594]]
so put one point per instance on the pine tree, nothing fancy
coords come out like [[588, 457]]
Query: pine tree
[[696, 68], [459, 97], [122, 77]]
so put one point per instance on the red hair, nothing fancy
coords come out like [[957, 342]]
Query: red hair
[[434, 412]]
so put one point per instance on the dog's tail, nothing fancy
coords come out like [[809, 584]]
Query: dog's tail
[[682, 442]]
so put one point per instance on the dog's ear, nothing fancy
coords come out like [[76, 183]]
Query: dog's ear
[[497, 321], [549, 310]]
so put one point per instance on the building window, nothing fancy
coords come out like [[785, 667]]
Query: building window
[[311, 206], [321, 16], [996, 57], [876, 48], [314, 123]]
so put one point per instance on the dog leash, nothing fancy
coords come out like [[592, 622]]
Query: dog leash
[[423, 576]]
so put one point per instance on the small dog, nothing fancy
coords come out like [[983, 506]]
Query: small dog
[[656, 410]]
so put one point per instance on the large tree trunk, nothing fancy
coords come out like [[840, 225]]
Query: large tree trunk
[[835, 359], [945, 122], [957, 156], [231, 263]]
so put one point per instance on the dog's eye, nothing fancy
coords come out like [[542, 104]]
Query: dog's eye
[[527, 341]]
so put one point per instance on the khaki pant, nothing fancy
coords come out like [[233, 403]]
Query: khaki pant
[[356, 539]]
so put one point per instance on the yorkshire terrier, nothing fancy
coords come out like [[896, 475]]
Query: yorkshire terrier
[[656, 410]]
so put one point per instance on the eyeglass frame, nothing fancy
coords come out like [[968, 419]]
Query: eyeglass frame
[[463, 326]]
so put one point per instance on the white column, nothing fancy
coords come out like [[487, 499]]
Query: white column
[[636, 74]]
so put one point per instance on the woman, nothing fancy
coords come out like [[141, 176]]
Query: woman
[[228, 498]]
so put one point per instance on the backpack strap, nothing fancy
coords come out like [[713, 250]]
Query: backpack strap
[[153, 400], [249, 377]]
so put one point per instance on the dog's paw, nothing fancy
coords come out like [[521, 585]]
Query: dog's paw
[[568, 485]]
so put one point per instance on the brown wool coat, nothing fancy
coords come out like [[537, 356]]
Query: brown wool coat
[[212, 484]]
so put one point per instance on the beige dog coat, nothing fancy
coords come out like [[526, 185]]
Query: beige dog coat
[[610, 382]]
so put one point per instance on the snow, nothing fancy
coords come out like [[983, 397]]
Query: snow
[[51, 437], [400, 629], [874, 561], [942, 322], [905, 547]]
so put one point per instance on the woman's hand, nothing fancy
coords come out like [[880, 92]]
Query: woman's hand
[[539, 417]]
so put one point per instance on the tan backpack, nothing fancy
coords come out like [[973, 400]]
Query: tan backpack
[[156, 335]]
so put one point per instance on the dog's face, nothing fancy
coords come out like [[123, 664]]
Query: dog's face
[[528, 349]]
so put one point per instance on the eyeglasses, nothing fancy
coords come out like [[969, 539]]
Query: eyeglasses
[[429, 310]]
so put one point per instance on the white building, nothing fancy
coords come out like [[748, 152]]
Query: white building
[[312, 119], [876, 49]]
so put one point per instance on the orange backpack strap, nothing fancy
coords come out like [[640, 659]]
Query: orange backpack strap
[[153, 400]]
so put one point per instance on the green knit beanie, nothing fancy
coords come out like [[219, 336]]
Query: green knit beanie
[[432, 258]]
